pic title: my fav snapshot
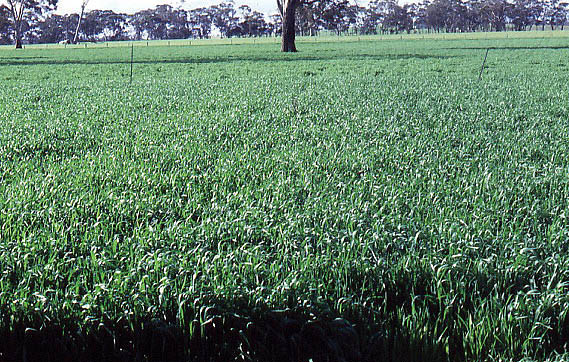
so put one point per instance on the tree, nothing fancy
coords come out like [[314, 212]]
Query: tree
[[114, 25], [397, 18], [93, 25], [496, 11], [176, 20], [253, 22], [556, 13], [83, 5], [336, 16], [520, 14], [104, 24], [275, 25], [200, 22], [56, 28], [538, 13], [162, 22], [244, 27], [560, 14], [5, 25], [24, 11], [287, 10], [373, 16], [225, 19], [143, 24]]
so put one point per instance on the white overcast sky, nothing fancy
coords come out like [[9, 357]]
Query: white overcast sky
[[131, 6]]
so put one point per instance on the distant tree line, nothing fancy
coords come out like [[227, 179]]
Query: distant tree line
[[337, 16]]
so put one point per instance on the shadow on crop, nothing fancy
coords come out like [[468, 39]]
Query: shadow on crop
[[22, 58], [213, 60], [279, 336], [512, 48]]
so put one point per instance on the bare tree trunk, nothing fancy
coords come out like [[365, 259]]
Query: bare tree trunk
[[76, 35], [83, 5], [18, 40], [288, 14], [18, 36], [17, 11]]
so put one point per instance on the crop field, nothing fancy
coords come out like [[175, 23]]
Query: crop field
[[367, 200]]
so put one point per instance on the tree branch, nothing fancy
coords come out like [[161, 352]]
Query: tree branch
[[12, 9], [17, 11], [308, 2]]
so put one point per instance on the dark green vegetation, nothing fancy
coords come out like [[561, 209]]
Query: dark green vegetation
[[377, 181]]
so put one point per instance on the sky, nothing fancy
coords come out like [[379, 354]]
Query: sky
[[132, 6]]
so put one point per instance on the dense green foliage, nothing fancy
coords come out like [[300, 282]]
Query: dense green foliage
[[375, 180]]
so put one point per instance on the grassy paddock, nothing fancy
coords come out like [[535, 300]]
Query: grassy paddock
[[378, 181], [515, 35]]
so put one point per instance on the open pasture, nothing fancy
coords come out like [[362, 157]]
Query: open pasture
[[378, 181]]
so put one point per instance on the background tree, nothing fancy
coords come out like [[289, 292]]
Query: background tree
[[520, 14], [373, 17], [5, 25], [253, 23], [555, 13], [22, 12], [176, 20], [560, 14], [200, 22], [93, 25], [308, 20], [244, 25], [435, 15], [336, 16], [162, 22], [495, 12], [143, 24], [56, 28], [225, 19], [104, 25], [275, 24], [114, 25], [397, 18], [538, 13]]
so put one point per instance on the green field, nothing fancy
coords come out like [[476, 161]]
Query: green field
[[375, 180]]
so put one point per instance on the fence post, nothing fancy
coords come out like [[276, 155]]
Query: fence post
[[483, 64], [131, 59]]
